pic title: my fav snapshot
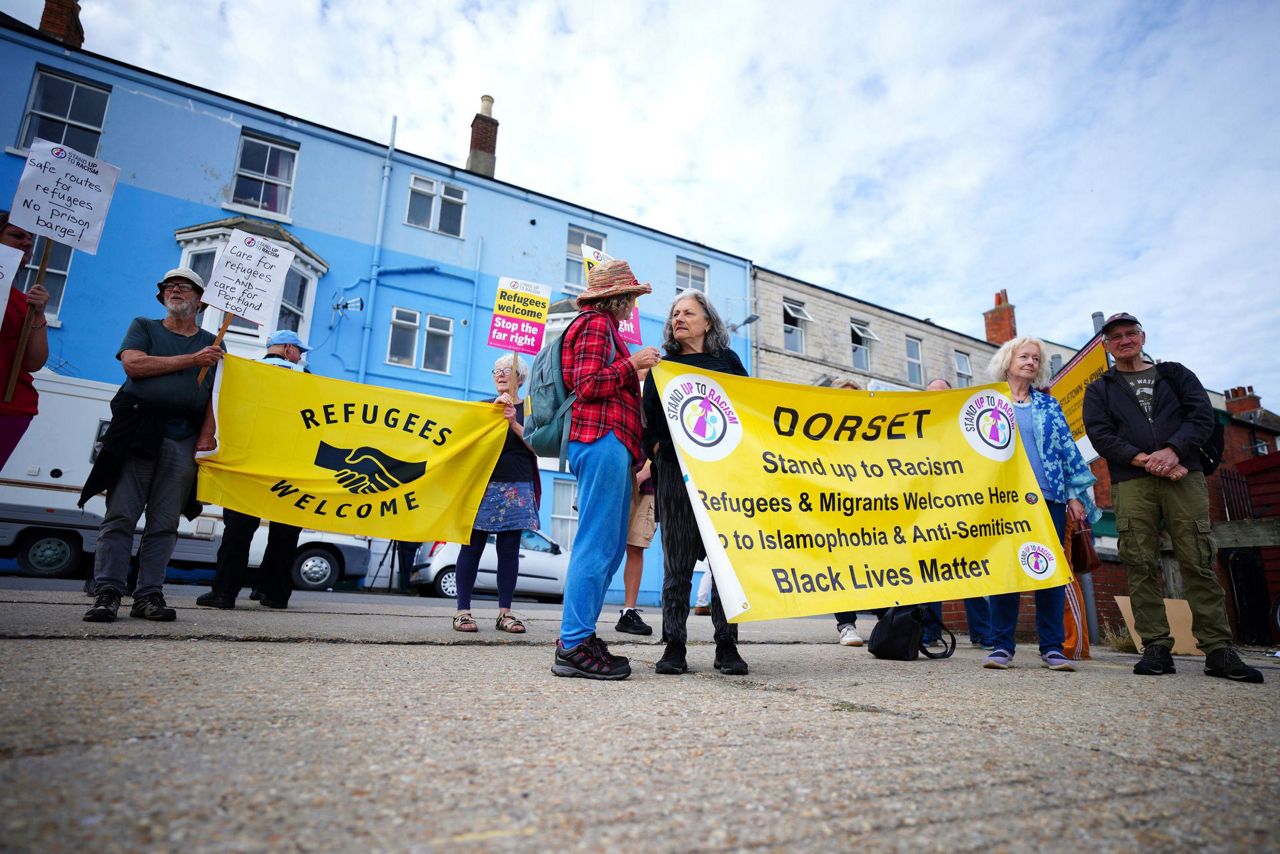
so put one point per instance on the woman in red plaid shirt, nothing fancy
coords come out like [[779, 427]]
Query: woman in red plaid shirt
[[604, 447]]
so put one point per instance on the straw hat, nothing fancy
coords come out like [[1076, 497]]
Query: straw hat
[[611, 279]]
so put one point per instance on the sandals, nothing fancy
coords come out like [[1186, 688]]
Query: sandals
[[464, 623], [508, 623]]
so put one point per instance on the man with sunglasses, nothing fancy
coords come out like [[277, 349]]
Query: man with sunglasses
[[147, 462]]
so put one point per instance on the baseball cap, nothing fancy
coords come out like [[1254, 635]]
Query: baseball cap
[[179, 273], [1121, 317], [286, 336]]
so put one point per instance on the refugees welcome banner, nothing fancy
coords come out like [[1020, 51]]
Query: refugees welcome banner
[[812, 500], [349, 458]]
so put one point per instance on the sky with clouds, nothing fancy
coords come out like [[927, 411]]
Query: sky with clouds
[[1084, 156]]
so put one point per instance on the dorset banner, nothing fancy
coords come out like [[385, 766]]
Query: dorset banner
[[340, 456], [812, 500]]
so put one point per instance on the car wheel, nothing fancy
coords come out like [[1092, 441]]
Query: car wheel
[[49, 554], [316, 569], [446, 583]]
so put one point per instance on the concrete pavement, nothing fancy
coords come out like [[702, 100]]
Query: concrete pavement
[[359, 721]]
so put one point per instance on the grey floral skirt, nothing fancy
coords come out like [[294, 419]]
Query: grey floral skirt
[[508, 507]]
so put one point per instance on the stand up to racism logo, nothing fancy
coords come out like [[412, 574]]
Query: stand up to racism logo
[[987, 422], [701, 417]]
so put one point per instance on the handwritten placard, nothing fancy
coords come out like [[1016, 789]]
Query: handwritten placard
[[629, 329], [519, 315], [64, 195], [10, 267], [248, 278]]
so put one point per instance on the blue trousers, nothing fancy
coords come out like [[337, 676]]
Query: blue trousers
[[603, 470], [978, 614], [1049, 605]]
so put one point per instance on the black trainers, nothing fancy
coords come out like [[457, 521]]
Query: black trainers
[[728, 661], [631, 624], [272, 603], [214, 599], [1156, 661], [105, 605], [152, 607], [603, 651], [673, 661], [1225, 663], [586, 661]]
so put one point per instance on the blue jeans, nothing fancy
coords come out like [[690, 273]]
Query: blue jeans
[[931, 632], [603, 470], [978, 614], [1049, 605]]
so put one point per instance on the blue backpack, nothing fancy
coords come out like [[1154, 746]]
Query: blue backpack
[[551, 403]]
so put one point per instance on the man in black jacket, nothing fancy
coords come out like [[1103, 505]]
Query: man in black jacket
[[148, 459], [1149, 422]]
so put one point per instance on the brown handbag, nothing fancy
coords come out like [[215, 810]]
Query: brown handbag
[[1081, 554]]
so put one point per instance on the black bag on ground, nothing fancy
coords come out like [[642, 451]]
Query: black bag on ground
[[897, 635]]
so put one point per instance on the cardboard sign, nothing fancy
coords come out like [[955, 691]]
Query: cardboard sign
[[1068, 389], [248, 278], [629, 329], [10, 267], [519, 315], [64, 195]]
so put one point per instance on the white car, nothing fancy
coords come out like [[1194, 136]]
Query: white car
[[543, 566]]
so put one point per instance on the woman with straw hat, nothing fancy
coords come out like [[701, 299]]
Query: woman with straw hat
[[604, 447]]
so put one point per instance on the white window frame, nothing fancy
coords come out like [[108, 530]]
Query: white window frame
[[27, 276], [564, 516], [397, 323], [918, 363], [438, 192], [66, 120], [426, 325], [240, 341], [692, 265], [262, 139], [863, 329], [573, 253], [794, 310], [964, 378]]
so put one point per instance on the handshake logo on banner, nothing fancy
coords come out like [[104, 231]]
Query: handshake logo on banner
[[366, 470]]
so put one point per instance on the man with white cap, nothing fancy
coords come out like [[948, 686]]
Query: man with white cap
[[147, 462], [275, 575]]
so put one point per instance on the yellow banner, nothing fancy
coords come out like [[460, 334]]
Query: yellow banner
[[812, 500], [350, 458], [1069, 385]]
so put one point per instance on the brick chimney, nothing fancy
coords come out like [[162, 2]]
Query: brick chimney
[[1002, 325], [61, 20], [1241, 399], [484, 139]]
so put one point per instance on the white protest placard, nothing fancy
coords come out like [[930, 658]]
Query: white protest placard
[[248, 278], [10, 267], [64, 195]]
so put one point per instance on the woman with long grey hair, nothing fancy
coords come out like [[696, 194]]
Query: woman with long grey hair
[[693, 335]]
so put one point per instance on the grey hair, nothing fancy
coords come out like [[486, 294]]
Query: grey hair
[[504, 361], [717, 338], [1000, 362]]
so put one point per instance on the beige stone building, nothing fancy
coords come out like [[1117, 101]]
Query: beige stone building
[[816, 336]]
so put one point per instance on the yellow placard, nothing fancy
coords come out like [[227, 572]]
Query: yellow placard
[[350, 458], [814, 500], [1069, 384]]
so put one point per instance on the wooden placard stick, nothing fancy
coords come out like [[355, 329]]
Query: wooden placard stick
[[25, 335], [226, 324]]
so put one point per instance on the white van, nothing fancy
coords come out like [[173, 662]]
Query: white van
[[41, 526]]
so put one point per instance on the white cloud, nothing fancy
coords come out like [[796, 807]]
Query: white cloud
[[921, 155]]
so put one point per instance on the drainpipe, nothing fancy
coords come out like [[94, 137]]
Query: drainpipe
[[1086, 580], [475, 299], [376, 267]]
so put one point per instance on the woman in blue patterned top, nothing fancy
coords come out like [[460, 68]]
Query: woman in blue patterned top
[[1064, 480]]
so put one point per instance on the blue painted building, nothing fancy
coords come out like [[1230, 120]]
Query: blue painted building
[[419, 245]]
